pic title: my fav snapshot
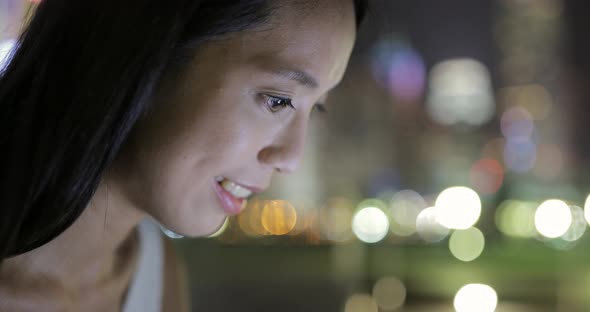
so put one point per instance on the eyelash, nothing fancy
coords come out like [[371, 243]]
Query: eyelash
[[287, 102], [274, 107]]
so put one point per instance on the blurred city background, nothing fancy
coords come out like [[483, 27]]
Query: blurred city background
[[448, 175]]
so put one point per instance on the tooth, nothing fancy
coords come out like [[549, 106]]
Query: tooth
[[230, 187], [227, 185], [242, 192], [235, 190]]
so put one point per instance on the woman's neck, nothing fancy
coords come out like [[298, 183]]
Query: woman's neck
[[90, 251]]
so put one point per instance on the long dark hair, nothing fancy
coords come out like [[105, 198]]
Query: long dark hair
[[80, 76]]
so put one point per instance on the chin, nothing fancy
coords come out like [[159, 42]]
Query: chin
[[197, 226]]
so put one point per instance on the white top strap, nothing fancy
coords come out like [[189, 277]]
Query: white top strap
[[145, 290]]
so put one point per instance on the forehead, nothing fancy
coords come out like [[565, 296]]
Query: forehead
[[317, 39]]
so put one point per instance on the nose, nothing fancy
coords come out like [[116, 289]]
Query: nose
[[286, 150]]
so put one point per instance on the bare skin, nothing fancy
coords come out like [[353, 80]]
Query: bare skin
[[217, 119]]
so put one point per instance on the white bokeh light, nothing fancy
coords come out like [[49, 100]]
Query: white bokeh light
[[553, 218], [405, 206], [476, 297], [587, 209], [428, 228], [578, 227], [460, 91], [370, 224], [458, 208]]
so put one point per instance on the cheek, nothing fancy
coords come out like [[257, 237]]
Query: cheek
[[234, 139], [219, 138], [164, 176]]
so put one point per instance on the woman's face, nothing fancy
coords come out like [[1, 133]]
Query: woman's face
[[221, 130]]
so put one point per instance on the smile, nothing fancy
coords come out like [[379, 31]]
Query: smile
[[232, 196], [233, 188]]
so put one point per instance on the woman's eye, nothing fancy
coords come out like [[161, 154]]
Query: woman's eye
[[275, 104]]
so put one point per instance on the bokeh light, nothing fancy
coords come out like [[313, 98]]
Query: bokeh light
[[533, 97], [553, 218], [587, 209], [302, 211], [6, 47], [407, 75], [250, 219], [460, 91], [372, 202], [221, 229], [467, 245], [517, 122], [361, 303], [428, 228], [389, 293], [335, 219], [278, 217], [516, 218], [520, 154], [458, 208], [578, 226], [405, 206], [487, 176], [370, 224], [400, 68], [476, 297]]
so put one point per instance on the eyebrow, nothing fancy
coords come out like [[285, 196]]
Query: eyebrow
[[298, 76]]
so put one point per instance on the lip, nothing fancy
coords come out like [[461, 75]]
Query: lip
[[230, 204]]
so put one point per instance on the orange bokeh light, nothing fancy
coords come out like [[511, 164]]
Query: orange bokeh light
[[278, 217]]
